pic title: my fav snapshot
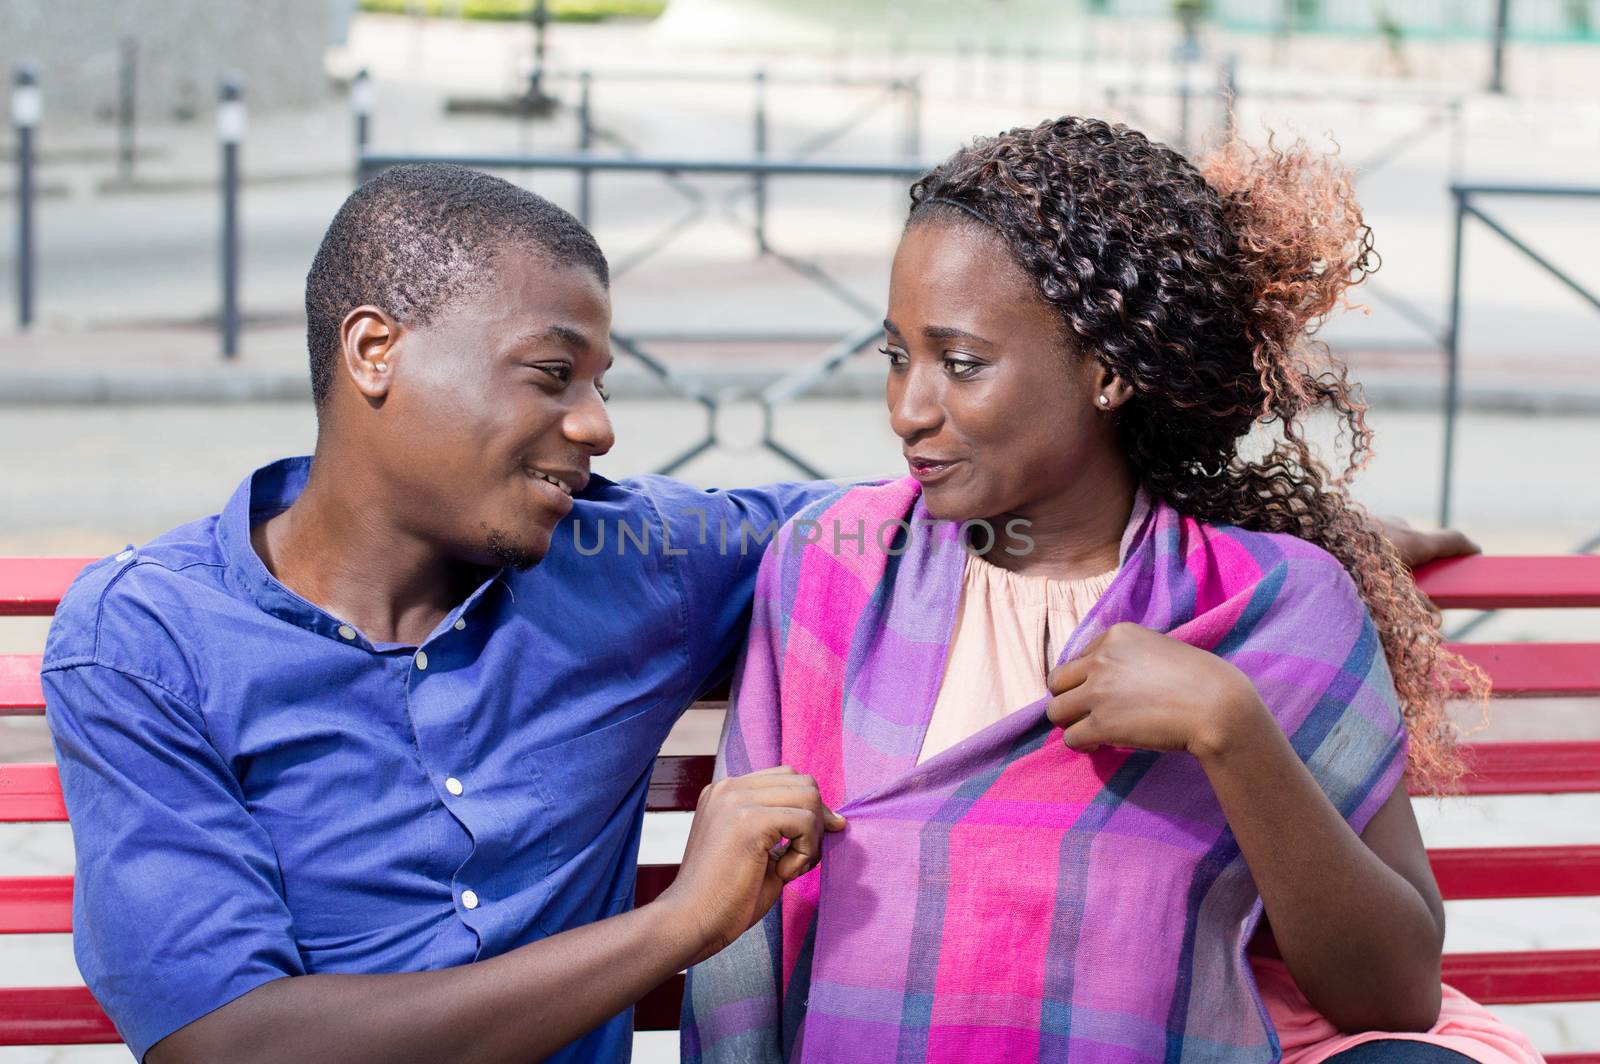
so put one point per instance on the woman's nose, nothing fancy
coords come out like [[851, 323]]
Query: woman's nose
[[913, 405]]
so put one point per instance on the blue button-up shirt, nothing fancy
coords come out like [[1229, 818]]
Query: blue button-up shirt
[[257, 790]]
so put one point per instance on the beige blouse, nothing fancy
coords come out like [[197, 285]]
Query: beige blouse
[[1009, 631]]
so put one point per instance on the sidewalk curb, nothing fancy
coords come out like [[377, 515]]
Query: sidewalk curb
[[246, 386]]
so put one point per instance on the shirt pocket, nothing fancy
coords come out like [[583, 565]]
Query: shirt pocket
[[591, 789]]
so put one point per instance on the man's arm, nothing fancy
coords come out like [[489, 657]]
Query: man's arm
[[722, 536], [185, 938], [528, 1003]]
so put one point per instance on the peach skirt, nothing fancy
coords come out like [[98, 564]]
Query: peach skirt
[[1307, 1038]]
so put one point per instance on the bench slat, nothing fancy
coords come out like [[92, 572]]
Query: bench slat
[[660, 1009], [1517, 872], [1533, 977], [20, 691], [53, 1016], [32, 587], [1532, 768], [677, 780], [652, 880], [69, 1015], [36, 905], [30, 794], [1531, 670], [1517, 669], [1512, 582]]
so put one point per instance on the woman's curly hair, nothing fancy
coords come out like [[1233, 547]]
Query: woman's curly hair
[[1201, 288]]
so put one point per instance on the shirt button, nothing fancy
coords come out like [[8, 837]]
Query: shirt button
[[453, 785], [346, 632], [422, 659], [469, 899], [125, 555], [460, 624]]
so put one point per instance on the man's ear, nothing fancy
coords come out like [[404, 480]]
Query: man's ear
[[1110, 390], [367, 348]]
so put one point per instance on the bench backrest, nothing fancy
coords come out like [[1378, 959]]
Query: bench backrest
[[69, 1015]]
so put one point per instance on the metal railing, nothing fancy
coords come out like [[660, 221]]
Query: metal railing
[[787, 386], [1466, 206]]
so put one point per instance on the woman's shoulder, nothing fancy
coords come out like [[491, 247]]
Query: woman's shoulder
[[1295, 566]]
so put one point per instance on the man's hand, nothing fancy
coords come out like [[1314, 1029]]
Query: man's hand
[[736, 863], [1137, 688], [1418, 547]]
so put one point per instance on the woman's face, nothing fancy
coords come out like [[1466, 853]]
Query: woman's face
[[996, 417]]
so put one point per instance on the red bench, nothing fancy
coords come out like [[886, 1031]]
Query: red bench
[[69, 1015]]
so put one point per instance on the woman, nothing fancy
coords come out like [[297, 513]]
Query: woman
[[1098, 367]]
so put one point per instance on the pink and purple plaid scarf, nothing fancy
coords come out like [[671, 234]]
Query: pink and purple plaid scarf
[[1010, 899]]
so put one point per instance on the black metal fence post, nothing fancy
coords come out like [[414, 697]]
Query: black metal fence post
[[1452, 351], [585, 145], [761, 155], [27, 106], [230, 130], [1497, 64], [361, 106], [127, 110], [1228, 90], [912, 143]]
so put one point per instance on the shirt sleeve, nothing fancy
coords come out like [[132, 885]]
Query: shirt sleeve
[[723, 535], [178, 905]]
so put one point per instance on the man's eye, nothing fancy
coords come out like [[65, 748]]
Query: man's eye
[[559, 370], [605, 396]]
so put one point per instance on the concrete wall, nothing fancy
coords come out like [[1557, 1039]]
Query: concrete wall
[[184, 47]]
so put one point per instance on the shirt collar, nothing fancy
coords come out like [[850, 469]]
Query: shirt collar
[[271, 490]]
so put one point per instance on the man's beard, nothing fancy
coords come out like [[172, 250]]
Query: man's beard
[[509, 554]]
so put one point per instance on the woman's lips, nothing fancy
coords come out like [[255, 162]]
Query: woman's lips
[[931, 470]]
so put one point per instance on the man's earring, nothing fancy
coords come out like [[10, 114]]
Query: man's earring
[[383, 367], [1105, 400]]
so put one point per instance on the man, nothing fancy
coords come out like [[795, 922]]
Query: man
[[357, 766]]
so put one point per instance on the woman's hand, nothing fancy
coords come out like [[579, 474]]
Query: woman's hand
[[1137, 688]]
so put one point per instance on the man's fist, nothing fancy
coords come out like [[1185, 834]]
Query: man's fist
[[751, 835]]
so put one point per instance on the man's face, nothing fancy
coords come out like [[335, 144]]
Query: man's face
[[496, 408]]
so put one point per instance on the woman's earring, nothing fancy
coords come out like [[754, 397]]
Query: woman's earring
[[1105, 400], [383, 367]]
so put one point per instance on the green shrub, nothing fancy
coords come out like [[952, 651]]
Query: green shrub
[[521, 10]]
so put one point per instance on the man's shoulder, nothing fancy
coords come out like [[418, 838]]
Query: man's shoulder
[[120, 608], [690, 516]]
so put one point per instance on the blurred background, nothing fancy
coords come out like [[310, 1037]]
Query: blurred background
[[168, 168]]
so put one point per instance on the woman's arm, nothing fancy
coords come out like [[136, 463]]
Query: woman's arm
[[1362, 939], [1357, 919]]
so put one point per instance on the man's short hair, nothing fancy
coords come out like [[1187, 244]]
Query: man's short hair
[[415, 238]]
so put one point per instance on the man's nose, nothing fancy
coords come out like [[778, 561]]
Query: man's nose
[[589, 425]]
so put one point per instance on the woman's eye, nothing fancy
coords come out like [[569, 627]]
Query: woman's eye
[[605, 396], [896, 358], [961, 368]]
